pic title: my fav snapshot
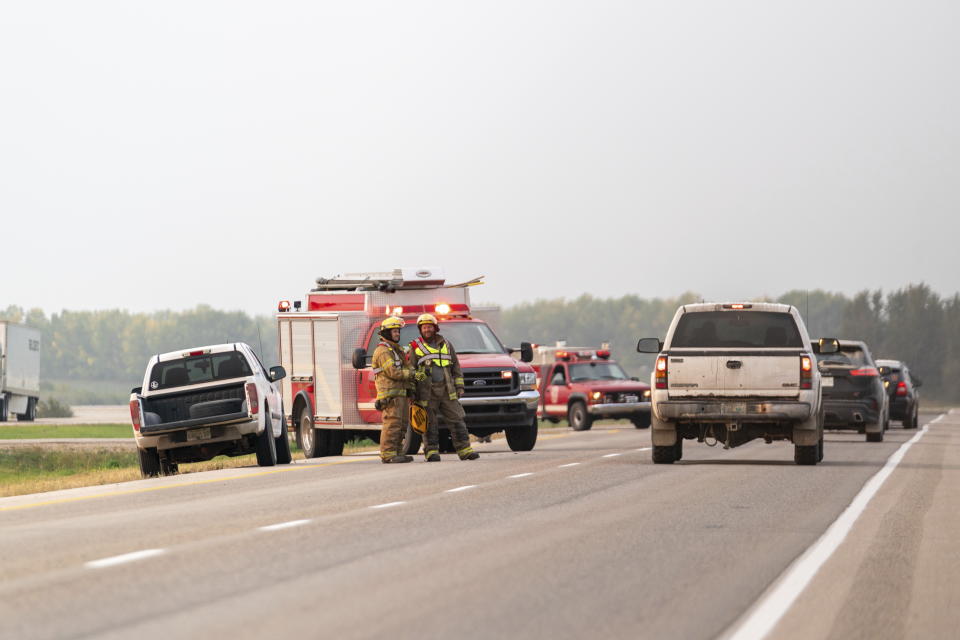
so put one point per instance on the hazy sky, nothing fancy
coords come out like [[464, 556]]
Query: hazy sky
[[164, 154]]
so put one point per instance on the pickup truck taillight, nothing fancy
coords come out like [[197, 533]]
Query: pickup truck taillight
[[901, 388], [866, 372], [253, 399], [660, 376], [135, 414], [806, 372]]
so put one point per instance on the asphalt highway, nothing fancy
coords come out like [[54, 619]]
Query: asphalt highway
[[583, 537]]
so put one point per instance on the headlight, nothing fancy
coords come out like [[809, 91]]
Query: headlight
[[646, 394], [597, 396], [528, 381]]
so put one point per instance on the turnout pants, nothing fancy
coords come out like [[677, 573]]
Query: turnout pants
[[396, 414], [441, 407]]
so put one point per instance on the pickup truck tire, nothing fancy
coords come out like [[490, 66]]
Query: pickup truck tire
[[820, 450], [910, 422], [875, 437], [31, 412], [522, 438], [282, 443], [331, 444], [3, 409], [266, 444], [678, 449], [641, 421], [578, 417], [168, 468], [149, 462], [806, 455], [666, 455]]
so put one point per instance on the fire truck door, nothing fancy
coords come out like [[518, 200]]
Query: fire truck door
[[328, 397], [558, 391], [367, 389]]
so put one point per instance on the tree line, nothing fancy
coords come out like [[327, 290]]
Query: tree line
[[914, 324]]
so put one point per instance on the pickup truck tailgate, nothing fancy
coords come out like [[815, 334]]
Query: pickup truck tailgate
[[753, 373]]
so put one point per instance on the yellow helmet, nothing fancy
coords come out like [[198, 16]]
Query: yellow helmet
[[392, 322], [426, 318]]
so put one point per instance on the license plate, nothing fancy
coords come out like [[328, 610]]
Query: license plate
[[827, 382], [735, 407], [198, 434], [631, 398]]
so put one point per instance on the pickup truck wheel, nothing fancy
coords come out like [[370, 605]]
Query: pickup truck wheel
[[282, 443], [522, 438], [266, 445], [149, 462], [678, 449], [665, 455], [875, 437], [578, 417], [820, 450], [641, 421], [806, 455], [168, 468], [332, 443], [3, 409]]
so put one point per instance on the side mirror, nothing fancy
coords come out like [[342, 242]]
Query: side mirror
[[359, 358], [828, 345], [139, 390], [649, 345], [526, 352], [277, 373]]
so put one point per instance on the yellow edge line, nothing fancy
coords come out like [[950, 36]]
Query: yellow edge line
[[559, 435], [191, 483]]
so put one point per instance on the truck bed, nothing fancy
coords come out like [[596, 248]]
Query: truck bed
[[189, 409]]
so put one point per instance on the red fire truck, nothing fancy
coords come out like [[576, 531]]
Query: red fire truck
[[326, 345], [585, 384]]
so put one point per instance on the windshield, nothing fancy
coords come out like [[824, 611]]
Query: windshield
[[596, 371], [466, 337], [848, 357], [733, 329], [208, 368]]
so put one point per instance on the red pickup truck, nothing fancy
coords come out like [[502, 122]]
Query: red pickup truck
[[585, 384]]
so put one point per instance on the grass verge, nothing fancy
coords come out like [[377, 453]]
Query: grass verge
[[21, 431], [40, 469]]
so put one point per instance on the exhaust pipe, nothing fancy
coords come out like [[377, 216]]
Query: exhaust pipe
[[857, 417]]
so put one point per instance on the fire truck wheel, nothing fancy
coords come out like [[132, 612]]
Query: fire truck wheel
[[578, 417], [641, 421], [411, 442], [149, 462], [332, 443], [306, 434], [266, 445], [522, 438]]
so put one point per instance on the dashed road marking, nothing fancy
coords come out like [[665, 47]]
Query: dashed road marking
[[388, 504], [463, 488], [521, 475], [122, 559], [644, 448], [612, 455], [569, 464], [284, 525]]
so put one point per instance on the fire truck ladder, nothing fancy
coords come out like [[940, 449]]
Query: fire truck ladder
[[388, 282]]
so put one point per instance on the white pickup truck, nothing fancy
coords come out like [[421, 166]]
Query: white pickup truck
[[203, 402], [731, 373]]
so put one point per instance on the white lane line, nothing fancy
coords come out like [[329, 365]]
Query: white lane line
[[644, 448], [777, 600], [388, 504], [611, 455], [121, 559], [463, 488], [521, 475], [284, 525], [569, 464]]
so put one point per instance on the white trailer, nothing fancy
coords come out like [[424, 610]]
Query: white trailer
[[19, 371]]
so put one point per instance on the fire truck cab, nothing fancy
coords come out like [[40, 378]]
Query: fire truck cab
[[326, 346], [585, 384]]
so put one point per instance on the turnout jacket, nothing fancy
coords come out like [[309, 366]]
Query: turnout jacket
[[438, 359], [392, 374]]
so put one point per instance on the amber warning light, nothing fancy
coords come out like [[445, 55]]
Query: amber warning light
[[284, 305], [442, 308]]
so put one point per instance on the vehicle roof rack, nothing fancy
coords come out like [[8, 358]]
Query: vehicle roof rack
[[390, 281]]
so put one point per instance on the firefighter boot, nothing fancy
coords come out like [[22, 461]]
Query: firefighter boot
[[397, 459], [433, 456], [468, 454]]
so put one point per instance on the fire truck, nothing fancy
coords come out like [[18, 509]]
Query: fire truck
[[585, 384], [326, 343]]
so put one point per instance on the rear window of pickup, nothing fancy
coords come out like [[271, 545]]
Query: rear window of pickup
[[736, 329], [197, 369]]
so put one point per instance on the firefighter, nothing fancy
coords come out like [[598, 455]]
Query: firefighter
[[439, 389], [394, 380]]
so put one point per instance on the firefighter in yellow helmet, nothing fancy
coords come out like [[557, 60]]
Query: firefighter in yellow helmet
[[394, 380], [440, 389]]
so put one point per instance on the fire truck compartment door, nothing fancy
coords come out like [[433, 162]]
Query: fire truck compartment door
[[327, 383]]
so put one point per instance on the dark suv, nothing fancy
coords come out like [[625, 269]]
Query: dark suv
[[853, 392], [903, 388]]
